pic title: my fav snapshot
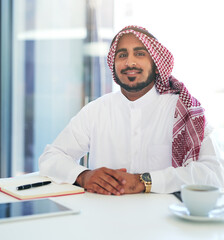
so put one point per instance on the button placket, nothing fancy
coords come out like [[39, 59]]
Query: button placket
[[135, 136]]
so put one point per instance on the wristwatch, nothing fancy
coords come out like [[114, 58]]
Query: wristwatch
[[146, 179]]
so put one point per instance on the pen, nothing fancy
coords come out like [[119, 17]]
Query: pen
[[31, 185]]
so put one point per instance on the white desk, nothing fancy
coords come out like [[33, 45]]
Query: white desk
[[141, 216]]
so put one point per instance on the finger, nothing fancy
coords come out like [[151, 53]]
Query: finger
[[106, 182], [115, 174], [104, 178], [122, 170], [98, 185], [111, 184], [100, 190], [90, 191]]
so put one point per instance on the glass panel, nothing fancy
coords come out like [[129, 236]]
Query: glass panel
[[47, 74], [57, 67]]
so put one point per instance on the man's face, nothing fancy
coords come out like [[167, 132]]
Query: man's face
[[134, 67]]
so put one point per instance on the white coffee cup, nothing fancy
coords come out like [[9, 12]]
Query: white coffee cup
[[200, 199]]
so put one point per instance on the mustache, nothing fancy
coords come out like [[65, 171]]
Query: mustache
[[130, 69]]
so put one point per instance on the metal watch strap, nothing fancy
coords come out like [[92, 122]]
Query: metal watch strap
[[148, 183], [147, 187]]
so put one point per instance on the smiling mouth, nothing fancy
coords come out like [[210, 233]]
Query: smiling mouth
[[131, 71]]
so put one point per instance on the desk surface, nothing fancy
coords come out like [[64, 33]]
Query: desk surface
[[139, 216]]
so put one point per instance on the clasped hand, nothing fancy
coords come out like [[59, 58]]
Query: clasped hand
[[109, 181]]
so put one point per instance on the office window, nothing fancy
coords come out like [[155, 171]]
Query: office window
[[59, 58], [58, 63]]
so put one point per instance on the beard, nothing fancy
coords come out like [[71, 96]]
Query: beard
[[138, 86]]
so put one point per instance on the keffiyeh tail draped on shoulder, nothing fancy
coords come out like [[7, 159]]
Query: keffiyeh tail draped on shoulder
[[189, 124]]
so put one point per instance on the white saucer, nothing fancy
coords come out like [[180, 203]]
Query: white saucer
[[181, 211]]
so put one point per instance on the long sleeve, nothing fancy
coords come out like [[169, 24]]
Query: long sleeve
[[60, 160], [209, 169], [118, 133]]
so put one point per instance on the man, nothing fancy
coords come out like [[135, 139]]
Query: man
[[150, 136]]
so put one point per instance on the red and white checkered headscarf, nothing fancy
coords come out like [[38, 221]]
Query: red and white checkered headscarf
[[188, 129]]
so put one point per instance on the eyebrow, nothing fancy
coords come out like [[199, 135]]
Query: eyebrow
[[140, 48], [125, 49], [121, 50]]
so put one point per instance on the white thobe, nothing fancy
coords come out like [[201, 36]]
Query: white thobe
[[136, 135]]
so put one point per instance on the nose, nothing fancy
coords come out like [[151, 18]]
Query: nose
[[130, 61]]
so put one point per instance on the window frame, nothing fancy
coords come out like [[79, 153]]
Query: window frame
[[5, 86]]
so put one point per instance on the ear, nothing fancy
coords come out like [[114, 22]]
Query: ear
[[157, 71]]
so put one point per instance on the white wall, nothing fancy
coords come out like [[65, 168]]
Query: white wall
[[193, 31]]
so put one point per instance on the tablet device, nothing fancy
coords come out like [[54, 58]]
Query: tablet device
[[29, 209]]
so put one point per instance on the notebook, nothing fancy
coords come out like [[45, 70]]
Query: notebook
[[9, 186]]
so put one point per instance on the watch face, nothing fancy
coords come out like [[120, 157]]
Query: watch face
[[146, 177]]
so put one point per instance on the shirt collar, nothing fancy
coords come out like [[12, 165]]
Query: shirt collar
[[150, 97]]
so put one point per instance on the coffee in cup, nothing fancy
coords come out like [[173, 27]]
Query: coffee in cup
[[200, 199]]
